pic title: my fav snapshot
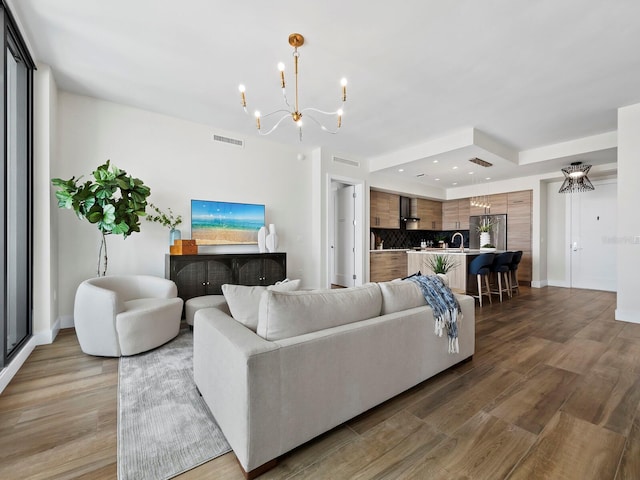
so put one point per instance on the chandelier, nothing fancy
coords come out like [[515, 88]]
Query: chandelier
[[481, 201], [575, 178], [294, 112]]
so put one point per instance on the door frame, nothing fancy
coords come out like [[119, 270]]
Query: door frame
[[359, 227]]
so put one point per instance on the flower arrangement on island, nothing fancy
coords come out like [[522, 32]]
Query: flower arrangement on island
[[486, 225]]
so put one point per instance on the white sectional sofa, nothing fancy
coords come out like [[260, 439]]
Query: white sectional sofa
[[318, 359]]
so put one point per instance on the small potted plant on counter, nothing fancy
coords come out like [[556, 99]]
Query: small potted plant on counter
[[441, 263]]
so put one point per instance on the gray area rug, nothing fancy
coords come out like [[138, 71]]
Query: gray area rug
[[164, 426]]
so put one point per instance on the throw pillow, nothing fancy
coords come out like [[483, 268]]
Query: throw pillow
[[244, 301], [289, 314]]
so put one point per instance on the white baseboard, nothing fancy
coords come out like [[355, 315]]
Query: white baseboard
[[558, 283], [538, 284], [631, 316], [7, 373], [66, 321]]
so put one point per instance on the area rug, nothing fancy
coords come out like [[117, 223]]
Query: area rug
[[164, 426]]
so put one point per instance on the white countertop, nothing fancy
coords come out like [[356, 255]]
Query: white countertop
[[451, 251], [389, 250]]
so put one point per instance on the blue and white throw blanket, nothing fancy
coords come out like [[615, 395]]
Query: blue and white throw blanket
[[446, 309]]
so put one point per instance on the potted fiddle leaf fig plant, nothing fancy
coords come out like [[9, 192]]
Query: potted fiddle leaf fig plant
[[113, 201]]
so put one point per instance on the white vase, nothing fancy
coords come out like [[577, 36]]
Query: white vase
[[262, 239], [272, 239], [485, 238]]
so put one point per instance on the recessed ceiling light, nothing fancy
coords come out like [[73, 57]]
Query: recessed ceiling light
[[454, 183], [455, 168], [435, 161], [470, 173], [437, 179], [488, 178], [401, 169]]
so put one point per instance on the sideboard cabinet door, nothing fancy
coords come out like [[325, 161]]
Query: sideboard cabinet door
[[197, 275]]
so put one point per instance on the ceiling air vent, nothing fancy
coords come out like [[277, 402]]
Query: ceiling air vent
[[228, 141], [346, 161], [479, 161]]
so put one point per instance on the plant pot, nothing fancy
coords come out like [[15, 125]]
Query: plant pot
[[485, 238]]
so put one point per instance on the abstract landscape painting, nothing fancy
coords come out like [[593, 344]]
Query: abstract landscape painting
[[225, 223]]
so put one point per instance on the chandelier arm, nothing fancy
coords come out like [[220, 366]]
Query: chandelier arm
[[287, 115], [286, 100], [323, 112], [333, 132], [276, 111]]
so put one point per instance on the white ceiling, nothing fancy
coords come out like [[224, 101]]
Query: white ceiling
[[519, 75]]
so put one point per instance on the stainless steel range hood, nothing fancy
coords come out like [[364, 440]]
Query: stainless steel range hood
[[408, 212]]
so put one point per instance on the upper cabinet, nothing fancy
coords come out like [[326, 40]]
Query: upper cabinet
[[519, 220], [430, 214], [455, 214], [384, 210]]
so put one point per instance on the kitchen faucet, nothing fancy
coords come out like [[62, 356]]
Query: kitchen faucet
[[461, 240]]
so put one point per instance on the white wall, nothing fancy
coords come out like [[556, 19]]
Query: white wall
[[557, 231], [628, 306], [45, 261], [179, 162]]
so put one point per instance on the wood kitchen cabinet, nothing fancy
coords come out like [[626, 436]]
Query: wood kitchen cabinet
[[387, 265], [198, 275], [455, 214], [430, 214], [384, 209], [519, 230]]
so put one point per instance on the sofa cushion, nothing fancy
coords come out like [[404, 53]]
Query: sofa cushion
[[244, 301], [400, 295], [289, 314]]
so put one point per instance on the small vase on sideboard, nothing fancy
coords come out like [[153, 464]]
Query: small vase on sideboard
[[174, 234], [272, 239]]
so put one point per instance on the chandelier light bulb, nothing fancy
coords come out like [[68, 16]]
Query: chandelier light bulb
[[281, 66], [242, 97]]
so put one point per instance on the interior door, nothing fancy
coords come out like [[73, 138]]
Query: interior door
[[593, 247], [345, 236]]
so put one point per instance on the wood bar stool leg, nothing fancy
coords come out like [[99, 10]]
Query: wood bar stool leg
[[479, 288], [500, 286], [486, 282]]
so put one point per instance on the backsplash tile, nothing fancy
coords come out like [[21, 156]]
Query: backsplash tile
[[395, 238]]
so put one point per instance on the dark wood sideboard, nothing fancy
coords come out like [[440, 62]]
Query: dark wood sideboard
[[203, 274]]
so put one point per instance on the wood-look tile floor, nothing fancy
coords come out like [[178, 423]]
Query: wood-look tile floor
[[553, 392]]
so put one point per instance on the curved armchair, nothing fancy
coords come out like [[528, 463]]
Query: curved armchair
[[126, 314]]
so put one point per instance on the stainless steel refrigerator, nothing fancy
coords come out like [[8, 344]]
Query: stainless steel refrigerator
[[498, 234]]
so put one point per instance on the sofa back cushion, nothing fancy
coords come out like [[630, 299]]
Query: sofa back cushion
[[289, 314], [400, 295], [244, 301]]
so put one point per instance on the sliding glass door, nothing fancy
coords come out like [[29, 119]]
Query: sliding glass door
[[16, 192]]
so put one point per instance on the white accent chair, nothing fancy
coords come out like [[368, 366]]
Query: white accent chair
[[126, 314]]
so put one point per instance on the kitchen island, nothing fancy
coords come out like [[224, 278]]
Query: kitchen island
[[418, 260]]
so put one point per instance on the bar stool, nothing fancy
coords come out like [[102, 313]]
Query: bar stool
[[500, 267], [513, 271], [481, 267]]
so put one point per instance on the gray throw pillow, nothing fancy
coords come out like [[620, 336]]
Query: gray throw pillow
[[244, 301]]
